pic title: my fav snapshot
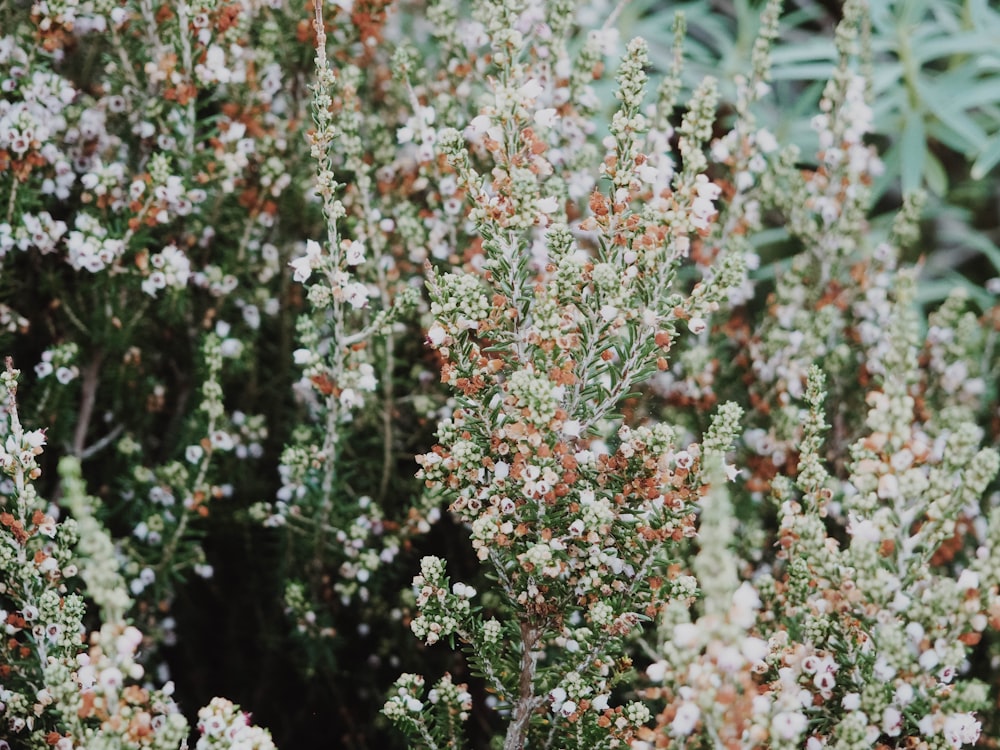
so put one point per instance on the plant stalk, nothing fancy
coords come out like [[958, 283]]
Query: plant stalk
[[527, 701]]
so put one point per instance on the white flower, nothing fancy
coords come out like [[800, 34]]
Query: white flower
[[356, 294], [571, 428], [478, 126], [754, 649], [647, 173], [546, 118], [882, 670], [404, 134], [367, 380], [766, 141], [862, 529], [34, 440], [548, 205], [685, 720], [350, 398], [657, 671], [696, 325], [436, 334], [888, 486], [557, 696], [969, 579], [892, 721], [529, 90], [355, 253], [462, 590], [961, 729], [904, 694], [789, 725], [221, 440], [305, 264]]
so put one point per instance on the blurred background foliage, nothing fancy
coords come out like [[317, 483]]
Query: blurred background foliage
[[935, 79]]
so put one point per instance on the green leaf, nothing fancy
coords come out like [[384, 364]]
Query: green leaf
[[889, 102], [962, 43], [887, 76], [952, 116], [803, 72], [963, 127], [976, 240], [891, 159], [987, 159], [975, 95], [935, 175], [933, 291], [910, 12], [913, 152], [813, 50]]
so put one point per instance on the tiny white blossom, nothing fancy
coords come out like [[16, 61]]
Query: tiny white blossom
[[356, 295], [657, 671], [355, 253], [789, 725], [548, 205], [546, 118], [436, 334], [685, 719], [305, 264]]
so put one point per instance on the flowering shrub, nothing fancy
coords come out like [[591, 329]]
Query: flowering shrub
[[261, 264]]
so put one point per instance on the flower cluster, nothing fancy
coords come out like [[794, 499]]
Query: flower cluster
[[221, 724]]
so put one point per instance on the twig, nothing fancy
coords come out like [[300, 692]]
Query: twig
[[90, 379]]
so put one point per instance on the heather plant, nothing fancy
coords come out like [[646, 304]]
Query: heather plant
[[818, 644], [144, 155], [63, 685], [255, 258]]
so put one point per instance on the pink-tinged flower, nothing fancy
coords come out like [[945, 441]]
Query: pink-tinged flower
[[961, 729], [697, 325], [892, 721], [356, 294]]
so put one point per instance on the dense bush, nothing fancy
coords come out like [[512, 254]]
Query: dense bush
[[638, 385]]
